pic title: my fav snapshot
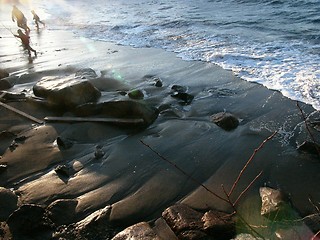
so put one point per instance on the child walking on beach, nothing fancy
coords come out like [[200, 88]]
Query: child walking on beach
[[37, 20], [25, 39], [20, 18]]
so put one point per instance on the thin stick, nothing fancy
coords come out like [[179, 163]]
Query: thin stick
[[21, 113], [89, 119], [247, 188], [249, 160], [316, 235], [184, 173]]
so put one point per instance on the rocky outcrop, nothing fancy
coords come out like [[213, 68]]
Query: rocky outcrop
[[67, 92]]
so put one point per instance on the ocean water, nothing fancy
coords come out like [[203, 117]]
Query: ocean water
[[272, 42]]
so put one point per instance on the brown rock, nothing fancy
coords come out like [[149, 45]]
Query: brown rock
[[219, 225], [62, 211], [226, 121]]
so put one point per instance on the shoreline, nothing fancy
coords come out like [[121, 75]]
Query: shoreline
[[130, 179]]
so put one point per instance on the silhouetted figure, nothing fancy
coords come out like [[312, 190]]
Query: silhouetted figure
[[25, 39], [20, 18], [37, 19]]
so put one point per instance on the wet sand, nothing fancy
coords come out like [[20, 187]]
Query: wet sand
[[129, 177]]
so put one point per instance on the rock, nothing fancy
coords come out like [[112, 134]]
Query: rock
[[139, 231], [67, 92], [120, 109], [136, 94], [4, 84], [8, 203], [92, 227], [272, 202], [309, 147], [163, 230], [86, 73], [63, 171], [158, 83], [5, 231], [3, 168], [185, 222], [179, 89], [185, 97], [64, 143], [29, 220], [62, 211], [219, 225], [98, 153], [226, 121], [3, 73]]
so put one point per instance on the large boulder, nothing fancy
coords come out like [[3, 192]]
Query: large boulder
[[67, 92]]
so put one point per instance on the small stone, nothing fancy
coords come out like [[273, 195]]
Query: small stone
[[99, 153], [185, 97], [158, 83], [179, 89], [226, 121], [136, 94], [62, 171]]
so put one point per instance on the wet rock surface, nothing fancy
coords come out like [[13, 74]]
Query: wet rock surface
[[226, 121], [67, 92]]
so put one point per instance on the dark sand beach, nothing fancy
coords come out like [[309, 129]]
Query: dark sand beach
[[106, 167]]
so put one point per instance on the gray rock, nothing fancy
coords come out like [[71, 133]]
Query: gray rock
[[3, 73], [226, 121], [67, 92], [86, 73], [8, 203], [272, 202], [139, 231]]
